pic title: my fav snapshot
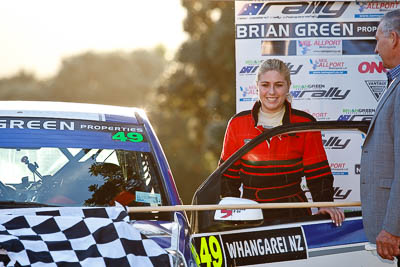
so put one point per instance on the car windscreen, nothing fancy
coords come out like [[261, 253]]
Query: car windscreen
[[77, 163]]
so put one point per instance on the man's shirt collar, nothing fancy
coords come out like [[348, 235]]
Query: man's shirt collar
[[393, 74]]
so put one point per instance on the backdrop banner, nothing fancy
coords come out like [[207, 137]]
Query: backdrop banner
[[336, 75]]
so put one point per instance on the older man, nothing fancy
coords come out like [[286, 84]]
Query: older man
[[380, 160]]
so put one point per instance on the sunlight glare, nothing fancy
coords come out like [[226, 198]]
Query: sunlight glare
[[36, 35]]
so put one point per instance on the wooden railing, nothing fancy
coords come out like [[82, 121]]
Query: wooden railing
[[243, 206]]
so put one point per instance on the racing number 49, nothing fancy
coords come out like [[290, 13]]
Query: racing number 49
[[210, 252], [132, 137]]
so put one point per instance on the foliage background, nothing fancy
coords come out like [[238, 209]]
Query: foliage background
[[189, 99]]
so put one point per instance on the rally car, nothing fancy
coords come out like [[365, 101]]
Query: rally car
[[241, 237], [59, 158]]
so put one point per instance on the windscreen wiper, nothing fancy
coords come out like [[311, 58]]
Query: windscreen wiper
[[16, 204]]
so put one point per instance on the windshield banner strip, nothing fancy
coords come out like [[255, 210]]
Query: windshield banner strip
[[24, 138]]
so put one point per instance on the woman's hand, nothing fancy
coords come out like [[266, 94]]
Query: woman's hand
[[337, 215]]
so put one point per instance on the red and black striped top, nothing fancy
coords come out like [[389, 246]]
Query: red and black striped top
[[272, 172]]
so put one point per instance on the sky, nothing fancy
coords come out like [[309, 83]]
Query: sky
[[36, 34]]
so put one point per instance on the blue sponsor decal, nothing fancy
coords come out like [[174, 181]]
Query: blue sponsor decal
[[327, 234], [328, 72], [376, 6], [250, 9], [248, 69], [340, 173], [325, 66], [369, 16], [355, 117], [248, 99]]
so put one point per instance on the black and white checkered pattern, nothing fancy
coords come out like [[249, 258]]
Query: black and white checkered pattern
[[76, 237], [117, 213]]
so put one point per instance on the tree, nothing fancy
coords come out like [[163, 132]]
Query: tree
[[22, 86], [197, 98], [116, 78]]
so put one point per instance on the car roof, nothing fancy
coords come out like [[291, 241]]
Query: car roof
[[70, 110]]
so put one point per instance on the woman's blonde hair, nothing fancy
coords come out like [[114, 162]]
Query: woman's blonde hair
[[276, 65]]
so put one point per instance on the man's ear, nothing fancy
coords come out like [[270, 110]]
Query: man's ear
[[394, 38]]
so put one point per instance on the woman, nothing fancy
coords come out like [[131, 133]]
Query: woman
[[273, 170]]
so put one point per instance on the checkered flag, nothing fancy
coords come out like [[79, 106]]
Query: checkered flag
[[117, 213], [76, 237]]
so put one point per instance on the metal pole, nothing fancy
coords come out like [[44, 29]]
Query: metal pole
[[243, 206]]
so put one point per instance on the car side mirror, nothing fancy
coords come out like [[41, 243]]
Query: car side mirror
[[238, 215]]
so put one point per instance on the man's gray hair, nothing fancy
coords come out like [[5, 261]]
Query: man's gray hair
[[391, 22]]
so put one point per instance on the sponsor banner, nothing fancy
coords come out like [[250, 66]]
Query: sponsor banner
[[318, 47], [356, 114], [339, 168], [343, 190], [343, 150], [344, 114], [315, 47], [319, 115], [328, 88], [251, 66], [371, 67], [306, 30], [37, 124], [248, 93], [315, 11], [357, 169], [47, 132], [346, 188], [335, 74], [340, 193], [290, 10], [327, 65], [340, 142], [242, 248], [335, 141], [318, 91], [248, 70], [377, 87], [375, 9], [64, 125]]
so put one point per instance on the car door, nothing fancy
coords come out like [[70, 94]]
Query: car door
[[310, 240]]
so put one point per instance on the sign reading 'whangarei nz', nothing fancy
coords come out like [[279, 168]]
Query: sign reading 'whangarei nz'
[[247, 248]]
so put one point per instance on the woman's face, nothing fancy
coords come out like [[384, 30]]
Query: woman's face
[[272, 91]]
